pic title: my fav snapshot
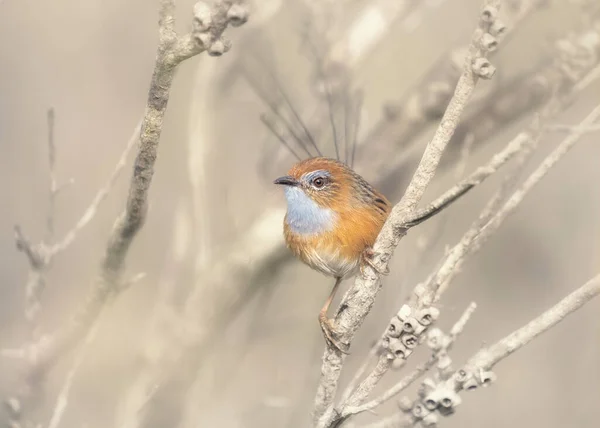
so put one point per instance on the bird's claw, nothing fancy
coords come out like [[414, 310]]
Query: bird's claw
[[332, 336], [367, 257]]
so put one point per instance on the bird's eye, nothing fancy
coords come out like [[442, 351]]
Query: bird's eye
[[318, 182]]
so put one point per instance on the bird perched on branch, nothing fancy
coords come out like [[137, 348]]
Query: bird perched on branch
[[333, 219]]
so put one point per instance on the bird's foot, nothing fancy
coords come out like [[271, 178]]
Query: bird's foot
[[367, 258], [331, 335]]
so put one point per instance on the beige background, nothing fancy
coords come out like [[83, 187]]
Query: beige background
[[92, 62]]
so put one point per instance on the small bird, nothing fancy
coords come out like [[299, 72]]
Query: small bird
[[333, 219]]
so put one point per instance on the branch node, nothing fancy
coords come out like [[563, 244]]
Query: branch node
[[430, 420], [405, 404], [202, 17], [488, 42], [237, 15], [219, 47], [486, 378], [203, 39], [498, 28], [489, 14], [483, 68]]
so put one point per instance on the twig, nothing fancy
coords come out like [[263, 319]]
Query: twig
[[63, 398], [92, 209], [359, 299], [513, 148], [486, 358]]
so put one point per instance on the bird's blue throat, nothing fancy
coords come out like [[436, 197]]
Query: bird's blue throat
[[305, 216]]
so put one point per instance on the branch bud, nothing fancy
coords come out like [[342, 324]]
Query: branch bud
[[411, 325], [488, 42], [404, 312], [489, 14], [405, 404], [204, 40], [409, 340], [487, 378], [219, 47], [397, 349], [435, 339], [430, 420], [395, 327], [483, 68], [237, 15], [498, 28], [419, 411], [448, 398], [202, 17], [427, 316]]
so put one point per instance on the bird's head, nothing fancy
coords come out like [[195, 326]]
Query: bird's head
[[320, 181], [320, 191]]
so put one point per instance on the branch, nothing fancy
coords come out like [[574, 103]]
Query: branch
[[209, 24], [359, 299], [441, 350], [486, 358], [443, 396], [513, 148]]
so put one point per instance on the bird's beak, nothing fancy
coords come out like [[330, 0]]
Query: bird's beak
[[287, 181]]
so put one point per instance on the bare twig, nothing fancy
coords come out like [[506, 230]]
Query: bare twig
[[63, 397], [92, 209], [478, 176], [486, 358]]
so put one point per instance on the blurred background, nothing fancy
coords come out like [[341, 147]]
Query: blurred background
[[222, 331]]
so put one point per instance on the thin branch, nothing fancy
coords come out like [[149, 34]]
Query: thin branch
[[486, 358], [63, 398], [92, 209], [477, 177]]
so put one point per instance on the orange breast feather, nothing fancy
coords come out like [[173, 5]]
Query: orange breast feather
[[338, 252]]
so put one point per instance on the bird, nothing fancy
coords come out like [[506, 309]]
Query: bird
[[332, 221]]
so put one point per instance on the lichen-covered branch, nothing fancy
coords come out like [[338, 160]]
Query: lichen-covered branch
[[441, 396]]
